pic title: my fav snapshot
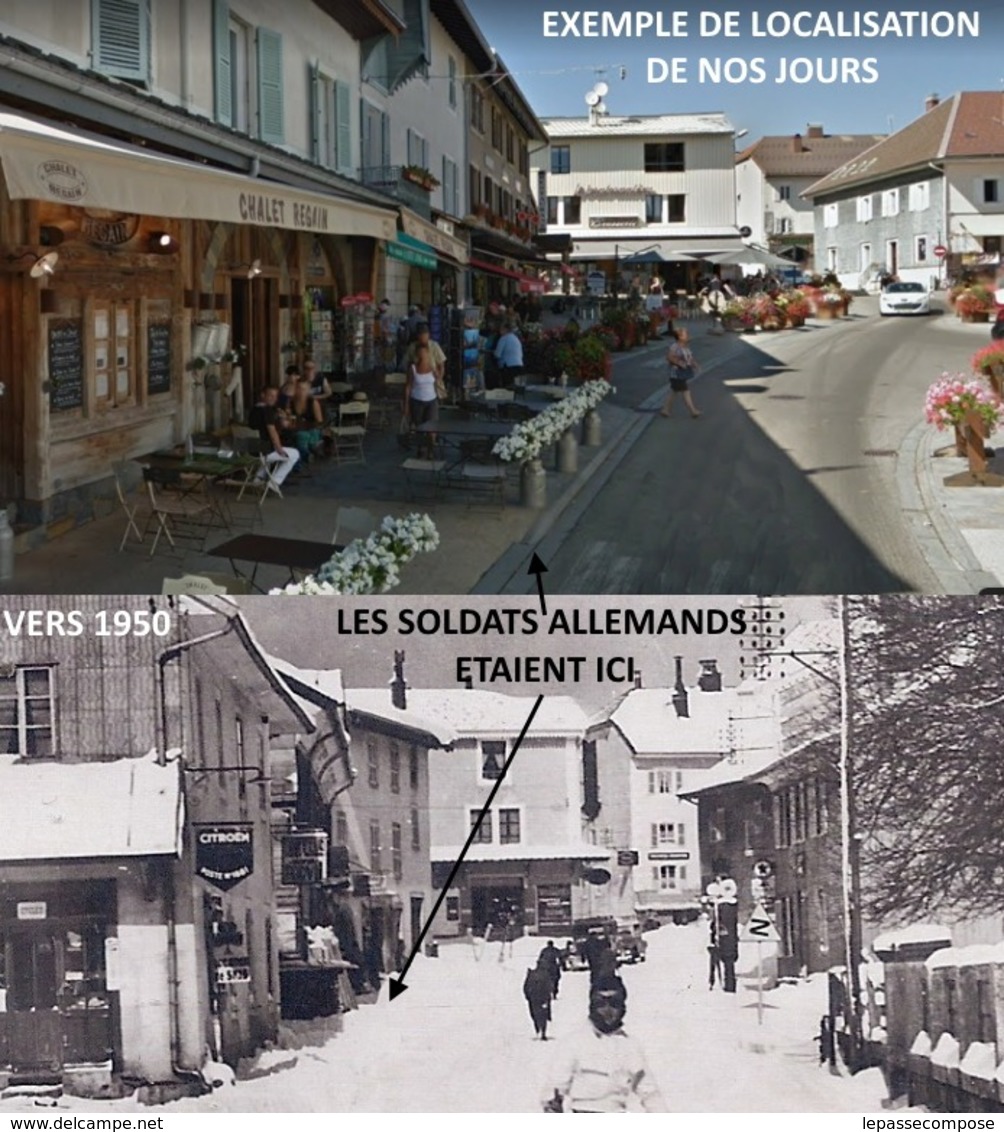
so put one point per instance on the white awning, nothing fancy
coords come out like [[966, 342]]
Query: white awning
[[59, 811], [978, 224], [43, 162], [435, 237], [688, 246]]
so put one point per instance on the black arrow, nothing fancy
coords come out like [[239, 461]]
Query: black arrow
[[397, 986], [537, 567]]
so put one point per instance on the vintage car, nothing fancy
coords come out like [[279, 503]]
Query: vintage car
[[629, 945], [575, 955]]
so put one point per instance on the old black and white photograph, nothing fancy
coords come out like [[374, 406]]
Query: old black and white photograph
[[262, 854]]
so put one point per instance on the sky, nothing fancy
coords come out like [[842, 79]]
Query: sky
[[555, 73]]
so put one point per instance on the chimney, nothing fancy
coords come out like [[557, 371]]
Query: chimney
[[680, 692], [814, 130], [710, 679], [796, 143], [637, 678], [930, 102], [398, 687]]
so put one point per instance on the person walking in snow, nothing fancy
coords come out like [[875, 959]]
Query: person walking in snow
[[550, 956], [603, 1069], [537, 992]]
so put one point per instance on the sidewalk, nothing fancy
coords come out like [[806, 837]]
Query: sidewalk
[[481, 545]]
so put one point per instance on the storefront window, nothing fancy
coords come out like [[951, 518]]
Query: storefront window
[[26, 713]]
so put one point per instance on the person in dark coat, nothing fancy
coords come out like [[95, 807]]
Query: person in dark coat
[[601, 958], [537, 992], [728, 934], [550, 956]]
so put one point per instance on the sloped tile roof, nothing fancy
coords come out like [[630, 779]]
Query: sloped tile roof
[[969, 124], [777, 156]]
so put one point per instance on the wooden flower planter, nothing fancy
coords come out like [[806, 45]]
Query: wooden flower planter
[[973, 316], [829, 310], [975, 434]]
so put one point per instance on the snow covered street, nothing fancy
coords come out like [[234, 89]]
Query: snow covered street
[[461, 1040]]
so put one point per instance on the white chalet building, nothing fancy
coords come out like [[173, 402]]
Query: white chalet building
[[624, 184]]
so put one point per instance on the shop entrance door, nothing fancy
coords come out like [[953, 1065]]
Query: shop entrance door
[[252, 303], [34, 1025], [14, 374], [495, 904]]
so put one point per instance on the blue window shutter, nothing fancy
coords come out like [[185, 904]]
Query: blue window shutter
[[222, 65], [270, 115], [315, 95], [343, 128], [121, 38]]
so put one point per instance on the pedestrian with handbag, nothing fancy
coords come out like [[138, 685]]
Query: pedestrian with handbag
[[683, 368]]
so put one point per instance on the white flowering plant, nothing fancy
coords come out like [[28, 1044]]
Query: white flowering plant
[[528, 437], [371, 565]]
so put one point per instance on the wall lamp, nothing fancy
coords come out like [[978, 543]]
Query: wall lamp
[[43, 265], [253, 268], [162, 243]]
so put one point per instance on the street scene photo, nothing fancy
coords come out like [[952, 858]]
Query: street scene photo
[[351, 295], [603, 855]]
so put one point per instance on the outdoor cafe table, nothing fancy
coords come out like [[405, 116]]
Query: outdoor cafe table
[[271, 550], [460, 432], [554, 392], [203, 468]]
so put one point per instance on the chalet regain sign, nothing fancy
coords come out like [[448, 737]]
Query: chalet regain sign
[[224, 854]]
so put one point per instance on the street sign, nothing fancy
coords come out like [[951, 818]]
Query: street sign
[[940, 251], [760, 928], [763, 869], [627, 857]]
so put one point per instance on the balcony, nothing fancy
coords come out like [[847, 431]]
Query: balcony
[[400, 183]]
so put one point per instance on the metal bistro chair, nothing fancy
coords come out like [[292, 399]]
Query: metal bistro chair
[[177, 515], [131, 507], [348, 434], [389, 407]]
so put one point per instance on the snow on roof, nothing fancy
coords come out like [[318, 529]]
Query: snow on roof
[[130, 807], [977, 953], [649, 125], [717, 723], [326, 682], [475, 712], [478, 852], [913, 933]]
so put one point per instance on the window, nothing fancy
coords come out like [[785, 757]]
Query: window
[[991, 191], [416, 831], [477, 110], [484, 833], [395, 769], [510, 144], [653, 209], [492, 758], [921, 249], [418, 149], [552, 210], [451, 193], [664, 157], [863, 208], [784, 192], [784, 225], [121, 38], [824, 919], [831, 258], [663, 833], [373, 763], [561, 159], [473, 187], [524, 159], [376, 855], [865, 257], [660, 781], [573, 210], [831, 215], [376, 137], [114, 354], [414, 768], [341, 828], [27, 713], [509, 826], [716, 825], [451, 81], [497, 129], [331, 129], [396, 863], [890, 202], [675, 208], [920, 196], [667, 877], [489, 195]]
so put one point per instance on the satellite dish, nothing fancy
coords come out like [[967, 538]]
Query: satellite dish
[[44, 265], [601, 89], [601, 108], [592, 98]]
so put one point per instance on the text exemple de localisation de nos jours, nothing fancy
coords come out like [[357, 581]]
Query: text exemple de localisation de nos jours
[[778, 24]]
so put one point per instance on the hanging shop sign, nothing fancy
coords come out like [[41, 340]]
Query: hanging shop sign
[[613, 222], [106, 228], [668, 856], [232, 971], [224, 854], [304, 857]]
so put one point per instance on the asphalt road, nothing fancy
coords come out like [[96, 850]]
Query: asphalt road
[[787, 484]]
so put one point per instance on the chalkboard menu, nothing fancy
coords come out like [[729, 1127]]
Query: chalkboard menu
[[158, 357], [66, 364]]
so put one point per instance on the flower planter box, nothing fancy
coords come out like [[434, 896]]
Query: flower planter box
[[973, 316], [829, 310]]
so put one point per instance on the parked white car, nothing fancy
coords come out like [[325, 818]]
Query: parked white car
[[905, 298]]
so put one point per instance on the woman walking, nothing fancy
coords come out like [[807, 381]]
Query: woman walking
[[421, 405], [683, 368]]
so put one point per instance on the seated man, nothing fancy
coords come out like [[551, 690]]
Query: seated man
[[268, 420]]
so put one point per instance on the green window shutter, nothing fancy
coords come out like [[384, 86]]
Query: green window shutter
[[315, 95], [343, 127], [384, 138], [121, 38], [270, 116], [222, 65]]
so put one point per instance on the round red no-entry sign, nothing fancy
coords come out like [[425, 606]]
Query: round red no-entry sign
[[940, 251]]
